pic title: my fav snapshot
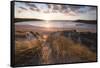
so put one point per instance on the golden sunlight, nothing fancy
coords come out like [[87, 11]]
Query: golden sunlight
[[47, 24], [46, 16]]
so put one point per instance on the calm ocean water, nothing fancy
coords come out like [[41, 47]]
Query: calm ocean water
[[59, 24]]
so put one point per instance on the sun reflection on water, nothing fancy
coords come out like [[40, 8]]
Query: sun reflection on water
[[47, 24]]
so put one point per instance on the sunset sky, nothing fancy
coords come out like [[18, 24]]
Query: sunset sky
[[54, 11]]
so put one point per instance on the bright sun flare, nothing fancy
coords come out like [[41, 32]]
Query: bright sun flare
[[46, 16], [47, 24]]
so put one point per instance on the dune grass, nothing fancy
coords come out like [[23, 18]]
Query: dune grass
[[69, 51], [61, 50]]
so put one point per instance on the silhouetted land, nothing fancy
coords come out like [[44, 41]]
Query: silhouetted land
[[87, 21], [25, 19], [80, 21]]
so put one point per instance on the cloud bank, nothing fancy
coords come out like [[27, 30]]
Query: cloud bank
[[54, 11]]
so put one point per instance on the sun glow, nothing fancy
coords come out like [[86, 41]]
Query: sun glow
[[46, 16], [47, 24]]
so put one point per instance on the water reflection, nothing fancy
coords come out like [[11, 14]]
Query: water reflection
[[64, 25]]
